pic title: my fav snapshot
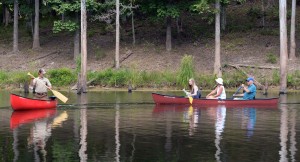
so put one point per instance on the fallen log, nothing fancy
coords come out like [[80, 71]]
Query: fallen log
[[263, 87]]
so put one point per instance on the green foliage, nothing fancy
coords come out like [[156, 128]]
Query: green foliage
[[234, 79], [186, 70], [275, 77], [293, 79], [78, 64], [61, 77], [64, 26], [19, 77], [201, 7], [271, 58], [207, 81], [3, 77], [167, 11]]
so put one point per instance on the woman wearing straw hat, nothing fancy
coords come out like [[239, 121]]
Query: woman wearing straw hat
[[218, 92]]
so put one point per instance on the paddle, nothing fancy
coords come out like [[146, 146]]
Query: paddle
[[190, 98], [60, 96], [237, 91]]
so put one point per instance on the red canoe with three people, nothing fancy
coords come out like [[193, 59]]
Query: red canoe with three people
[[168, 99]]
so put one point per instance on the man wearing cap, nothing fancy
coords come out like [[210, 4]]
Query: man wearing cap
[[218, 92], [250, 91], [41, 84]]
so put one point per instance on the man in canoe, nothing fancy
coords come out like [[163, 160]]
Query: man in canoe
[[249, 91], [218, 92], [195, 92], [41, 85]]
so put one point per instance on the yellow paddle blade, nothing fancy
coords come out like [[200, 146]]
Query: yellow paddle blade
[[30, 75], [191, 100], [60, 96]]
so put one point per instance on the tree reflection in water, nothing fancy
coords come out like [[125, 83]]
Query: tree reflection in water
[[83, 130], [287, 120]]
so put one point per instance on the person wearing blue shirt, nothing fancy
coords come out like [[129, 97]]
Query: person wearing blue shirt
[[249, 91]]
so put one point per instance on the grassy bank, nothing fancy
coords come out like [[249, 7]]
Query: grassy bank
[[122, 78]]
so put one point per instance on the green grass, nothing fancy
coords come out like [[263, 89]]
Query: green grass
[[144, 79]]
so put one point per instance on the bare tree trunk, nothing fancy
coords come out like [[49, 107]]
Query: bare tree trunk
[[223, 17], [293, 42], [76, 44], [83, 86], [117, 59], [3, 13], [217, 65], [7, 16], [283, 46], [76, 41], [263, 13], [132, 24], [36, 36], [169, 34], [16, 29]]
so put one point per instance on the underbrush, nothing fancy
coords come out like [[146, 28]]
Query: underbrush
[[122, 78]]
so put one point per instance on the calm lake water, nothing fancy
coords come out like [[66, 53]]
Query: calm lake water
[[117, 126]]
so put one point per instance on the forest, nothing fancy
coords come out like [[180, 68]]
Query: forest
[[150, 43]]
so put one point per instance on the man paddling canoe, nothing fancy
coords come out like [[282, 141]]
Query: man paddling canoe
[[41, 85]]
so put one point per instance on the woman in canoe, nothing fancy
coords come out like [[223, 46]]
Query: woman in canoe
[[218, 92], [195, 92], [41, 85]]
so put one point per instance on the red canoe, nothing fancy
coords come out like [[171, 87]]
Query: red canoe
[[22, 117], [22, 103], [167, 99]]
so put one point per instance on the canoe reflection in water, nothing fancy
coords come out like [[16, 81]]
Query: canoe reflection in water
[[217, 114], [43, 121]]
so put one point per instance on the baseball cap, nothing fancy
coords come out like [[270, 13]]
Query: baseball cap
[[250, 78], [42, 71]]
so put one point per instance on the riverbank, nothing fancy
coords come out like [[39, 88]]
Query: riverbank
[[122, 80]]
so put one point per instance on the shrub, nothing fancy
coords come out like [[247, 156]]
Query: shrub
[[275, 77], [186, 70], [271, 58], [62, 77]]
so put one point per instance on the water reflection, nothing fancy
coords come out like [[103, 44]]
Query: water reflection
[[191, 116], [83, 130], [43, 121], [288, 119], [249, 121]]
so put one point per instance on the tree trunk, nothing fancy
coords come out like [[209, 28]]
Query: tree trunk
[[217, 65], [223, 17], [117, 59], [7, 16], [283, 46], [76, 44], [16, 29], [169, 34], [76, 41], [83, 87], [263, 13], [36, 36], [293, 42], [132, 25]]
